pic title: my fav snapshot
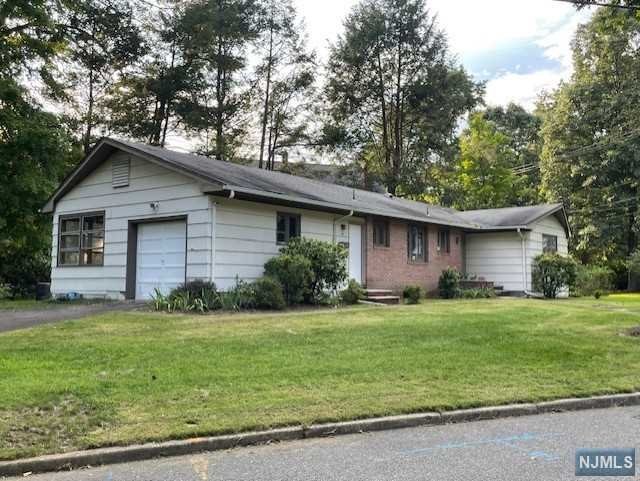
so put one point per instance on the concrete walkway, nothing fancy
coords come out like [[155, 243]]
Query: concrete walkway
[[11, 320]]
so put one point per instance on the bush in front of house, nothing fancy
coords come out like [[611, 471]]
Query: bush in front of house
[[268, 294], [352, 293], [477, 293], [198, 295], [328, 266], [594, 281], [412, 294], [294, 273], [551, 273], [449, 283]]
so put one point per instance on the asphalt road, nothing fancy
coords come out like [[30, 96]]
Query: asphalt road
[[536, 448]]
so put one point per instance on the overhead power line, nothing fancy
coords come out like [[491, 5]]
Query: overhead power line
[[595, 3]]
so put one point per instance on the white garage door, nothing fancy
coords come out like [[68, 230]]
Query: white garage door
[[161, 257]]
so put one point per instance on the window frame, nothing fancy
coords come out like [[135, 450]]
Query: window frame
[[425, 244], [80, 233], [555, 242], [446, 249], [387, 234], [287, 231]]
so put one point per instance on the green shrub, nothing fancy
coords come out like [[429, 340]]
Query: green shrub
[[552, 273], [5, 291], [352, 293], [294, 274], [240, 297], [267, 293], [201, 296], [449, 283], [412, 294], [477, 293], [328, 266], [594, 281]]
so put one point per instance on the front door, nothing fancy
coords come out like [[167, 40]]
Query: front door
[[355, 252]]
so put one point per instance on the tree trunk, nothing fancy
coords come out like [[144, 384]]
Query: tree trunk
[[219, 111], [89, 127], [397, 141], [265, 111]]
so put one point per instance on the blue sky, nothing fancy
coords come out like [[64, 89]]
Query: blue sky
[[519, 47]]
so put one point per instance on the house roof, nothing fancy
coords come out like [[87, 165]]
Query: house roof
[[243, 182], [515, 216]]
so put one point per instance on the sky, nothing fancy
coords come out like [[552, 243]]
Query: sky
[[518, 47]]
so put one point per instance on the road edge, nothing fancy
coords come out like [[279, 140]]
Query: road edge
[[122, 454]]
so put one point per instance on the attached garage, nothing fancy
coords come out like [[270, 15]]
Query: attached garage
[[160, 256]]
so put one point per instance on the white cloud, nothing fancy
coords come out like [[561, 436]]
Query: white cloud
[[522, 88]]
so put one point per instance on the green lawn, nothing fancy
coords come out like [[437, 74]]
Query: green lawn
[[19, 304], [135, 376]]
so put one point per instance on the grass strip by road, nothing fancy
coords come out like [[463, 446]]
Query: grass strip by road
[[128, 377]]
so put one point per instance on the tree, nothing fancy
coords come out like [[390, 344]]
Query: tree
[[35, 147], [35, 153], [395, 95], [286, 77], [591, 140], [523, 132], [484, 175], [151, 101], [217, 36], [102, 41]]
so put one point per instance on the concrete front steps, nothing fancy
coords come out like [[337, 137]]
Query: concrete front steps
[[381, 296]]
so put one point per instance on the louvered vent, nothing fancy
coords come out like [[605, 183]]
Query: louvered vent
[[120, 172]]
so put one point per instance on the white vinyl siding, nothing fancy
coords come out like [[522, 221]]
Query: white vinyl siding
[[497, 257], [175, 194], [246, 236]]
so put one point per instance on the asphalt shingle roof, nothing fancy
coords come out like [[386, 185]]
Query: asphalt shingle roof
[[282, 186]]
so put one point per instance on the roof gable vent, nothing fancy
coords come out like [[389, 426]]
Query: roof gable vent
[[120, 169]]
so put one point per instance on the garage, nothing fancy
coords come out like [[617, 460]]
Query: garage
[[160, 257]]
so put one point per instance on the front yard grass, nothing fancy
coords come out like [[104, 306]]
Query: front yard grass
[[128, 377]]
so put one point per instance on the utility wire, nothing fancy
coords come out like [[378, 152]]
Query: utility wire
[[595, 3]]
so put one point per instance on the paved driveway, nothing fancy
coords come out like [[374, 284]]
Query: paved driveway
[[531, 448], [11, 320]]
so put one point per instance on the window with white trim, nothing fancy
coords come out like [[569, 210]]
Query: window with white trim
[[417, 243]]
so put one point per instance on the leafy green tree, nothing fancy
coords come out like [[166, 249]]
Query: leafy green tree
[[35, 153], [285, 79], [591, 149], [218, 35], [395, 95], [103, 41], [484, 175], [149, 102], [523, 131]]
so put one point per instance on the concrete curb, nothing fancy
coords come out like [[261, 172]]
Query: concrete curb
[[95, 457]]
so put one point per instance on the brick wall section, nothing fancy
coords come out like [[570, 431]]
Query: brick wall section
[[389, 267]]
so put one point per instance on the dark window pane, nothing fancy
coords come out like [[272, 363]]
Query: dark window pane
[[549, 243], [68, 258], [70, 225], [293, 226], [281, 238], [93, 223], [282, 223], [69, 241]]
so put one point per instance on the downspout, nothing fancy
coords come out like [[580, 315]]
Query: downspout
[[524, 260], [232, 194], [340, 219]]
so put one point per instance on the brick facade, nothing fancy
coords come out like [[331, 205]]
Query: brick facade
[[389, 267]]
